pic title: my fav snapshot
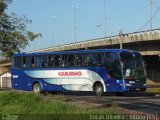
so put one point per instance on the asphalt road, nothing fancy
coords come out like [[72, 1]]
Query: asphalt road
[[146, 103]]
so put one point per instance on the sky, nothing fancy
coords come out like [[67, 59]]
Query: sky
[[55, 19]]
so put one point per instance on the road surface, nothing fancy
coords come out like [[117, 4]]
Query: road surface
[[144, 103]]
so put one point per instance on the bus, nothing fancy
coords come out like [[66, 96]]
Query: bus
[[99, 71]]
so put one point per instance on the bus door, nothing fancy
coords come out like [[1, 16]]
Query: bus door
[[114, 73], [19, 80], [16, 79], [28, 64]]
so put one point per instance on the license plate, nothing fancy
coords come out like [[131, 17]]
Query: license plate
[[137, 89]]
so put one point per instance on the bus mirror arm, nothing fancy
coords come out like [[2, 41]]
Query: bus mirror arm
[[145, 64]]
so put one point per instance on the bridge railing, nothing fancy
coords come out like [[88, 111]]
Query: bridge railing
[[127, 37]]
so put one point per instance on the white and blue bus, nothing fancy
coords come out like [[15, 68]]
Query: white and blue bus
[[99, 71]]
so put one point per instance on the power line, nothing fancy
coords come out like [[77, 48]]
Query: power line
[[128, 14], [116, 17], [101, 21], [149, 19], [154, 4]]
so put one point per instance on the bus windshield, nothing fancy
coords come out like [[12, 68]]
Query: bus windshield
[[132, 66]]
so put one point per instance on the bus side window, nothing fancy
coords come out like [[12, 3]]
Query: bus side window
[[40, 61], [100, 59], [113, 65], [78, 60], [33, 64], [27, 62], [24, 62], [18, 62], [43, 61], [62, 60], [57, 60], [67, 60], [87, 60], [51, 61], [71, 60]]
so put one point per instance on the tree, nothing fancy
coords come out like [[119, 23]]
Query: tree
[[14, 35]]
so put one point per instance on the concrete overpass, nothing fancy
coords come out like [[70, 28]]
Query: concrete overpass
[[146, 42]]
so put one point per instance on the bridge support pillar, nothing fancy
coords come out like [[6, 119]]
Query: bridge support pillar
[[153, 67]]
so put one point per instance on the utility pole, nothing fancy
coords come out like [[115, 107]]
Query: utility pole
[[151, 15], [105, 18], [121, 39], [75, 22], [53, 33]]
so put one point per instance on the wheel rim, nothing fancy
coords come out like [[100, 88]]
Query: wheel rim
[[36, 88], [99, 90]]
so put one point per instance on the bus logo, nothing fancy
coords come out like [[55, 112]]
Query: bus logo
[[72, 73]]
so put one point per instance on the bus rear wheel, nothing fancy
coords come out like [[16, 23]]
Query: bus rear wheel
[[37, 88], [98, 89]]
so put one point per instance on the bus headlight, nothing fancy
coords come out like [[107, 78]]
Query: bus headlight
[[131, 81], [128, 84]]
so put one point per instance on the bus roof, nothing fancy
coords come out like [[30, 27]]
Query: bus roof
[[74, 52]]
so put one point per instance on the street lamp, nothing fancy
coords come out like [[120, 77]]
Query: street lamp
[[75, 22], [98, 25], [53, 19]]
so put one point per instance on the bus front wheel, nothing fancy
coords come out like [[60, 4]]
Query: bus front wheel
[[37, 88], [98, 89]]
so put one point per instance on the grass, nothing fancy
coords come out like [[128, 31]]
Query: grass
[[153, 90], [31, 104]]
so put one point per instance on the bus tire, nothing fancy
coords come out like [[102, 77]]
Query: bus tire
[[98, 89], [37, 88]]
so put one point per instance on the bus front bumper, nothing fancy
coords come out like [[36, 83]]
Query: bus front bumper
[[137, 88]]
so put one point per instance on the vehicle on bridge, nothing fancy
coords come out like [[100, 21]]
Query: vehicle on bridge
[[99, 71]]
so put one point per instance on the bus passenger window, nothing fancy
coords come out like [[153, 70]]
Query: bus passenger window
[[33, 62], [24, 62], [100, 59], [61, 62], [57, 60], [87, 60], [18, 62], [71, 60], [28, 62], [64, 61], [51, 61], [113, 65], [79, 60], [94, 59], [41, 61]]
